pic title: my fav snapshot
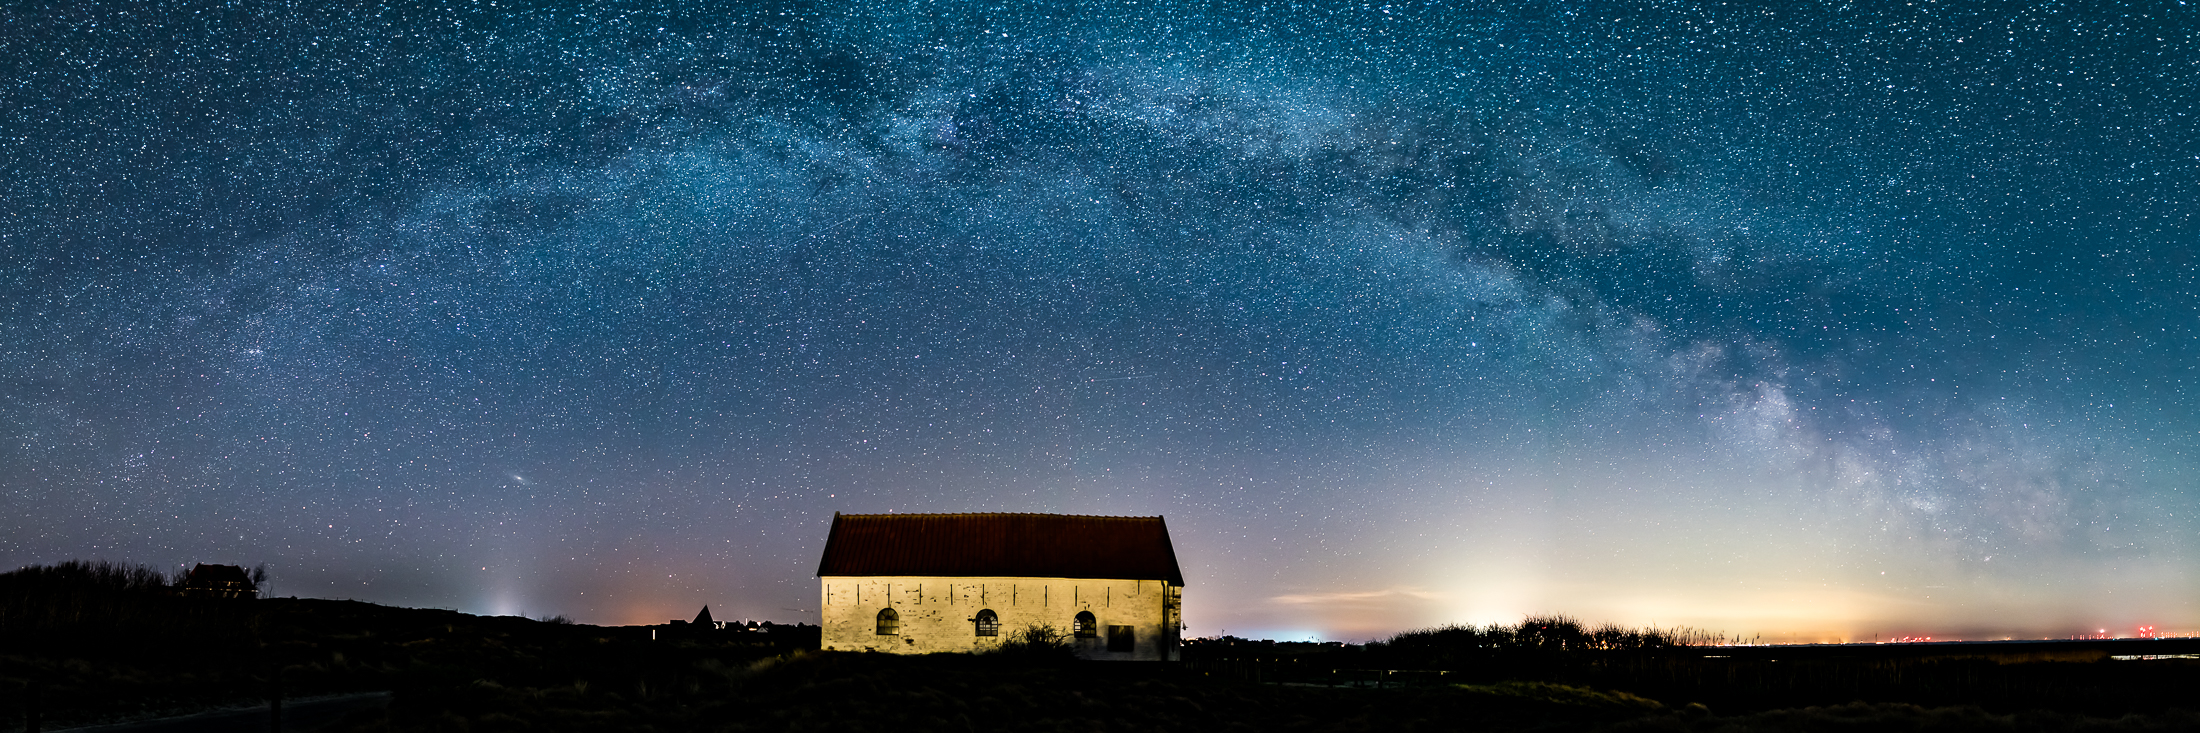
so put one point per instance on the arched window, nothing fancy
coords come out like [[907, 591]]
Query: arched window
[[1087, 627], [989, 623], [889, 623]]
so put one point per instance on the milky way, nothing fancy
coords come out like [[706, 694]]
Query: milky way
[[1824, 322]]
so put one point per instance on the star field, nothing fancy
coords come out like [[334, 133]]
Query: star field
[[1819, 321]]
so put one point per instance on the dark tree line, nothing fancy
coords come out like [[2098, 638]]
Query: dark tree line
[[95, 605]]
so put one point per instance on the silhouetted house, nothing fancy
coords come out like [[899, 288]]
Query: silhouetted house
[[919, 583], [218, 581], [680, 628]]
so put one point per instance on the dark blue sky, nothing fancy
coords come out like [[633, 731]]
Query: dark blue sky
[[1824, 321]]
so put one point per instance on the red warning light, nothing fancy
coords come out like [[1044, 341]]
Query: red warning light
[[2147, 632]]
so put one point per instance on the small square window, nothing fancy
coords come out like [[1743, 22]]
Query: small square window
[[1121, 639]]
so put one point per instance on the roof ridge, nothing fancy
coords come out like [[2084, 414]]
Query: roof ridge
[[1000, 544]]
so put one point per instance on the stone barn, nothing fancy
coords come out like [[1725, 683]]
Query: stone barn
[[921, 583]]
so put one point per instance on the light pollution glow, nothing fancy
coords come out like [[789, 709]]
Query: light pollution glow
[[1822, 323]]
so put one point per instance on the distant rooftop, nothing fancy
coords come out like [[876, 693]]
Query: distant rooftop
[[214, 575], [1000, 545]]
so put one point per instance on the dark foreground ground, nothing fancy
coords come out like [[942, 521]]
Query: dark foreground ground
[[445, 671], [307, 714], [840, 692]]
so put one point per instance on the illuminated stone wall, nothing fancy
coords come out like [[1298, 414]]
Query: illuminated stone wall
[[938, 614]]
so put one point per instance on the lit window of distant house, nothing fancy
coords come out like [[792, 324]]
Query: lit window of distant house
[[889, 623], [989, 623], [1087, 627]]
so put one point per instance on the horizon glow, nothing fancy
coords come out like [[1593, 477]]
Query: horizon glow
[[1807, 324]]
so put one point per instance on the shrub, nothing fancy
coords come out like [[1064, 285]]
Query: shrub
[[1038, 642], [1537, 641]]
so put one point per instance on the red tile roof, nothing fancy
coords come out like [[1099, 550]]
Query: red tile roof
[[1000, 545]]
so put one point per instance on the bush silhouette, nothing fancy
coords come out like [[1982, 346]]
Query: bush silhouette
[[1536, 643], [1037, 642]]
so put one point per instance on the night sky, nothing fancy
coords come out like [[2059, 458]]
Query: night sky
[[1831, 321]]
